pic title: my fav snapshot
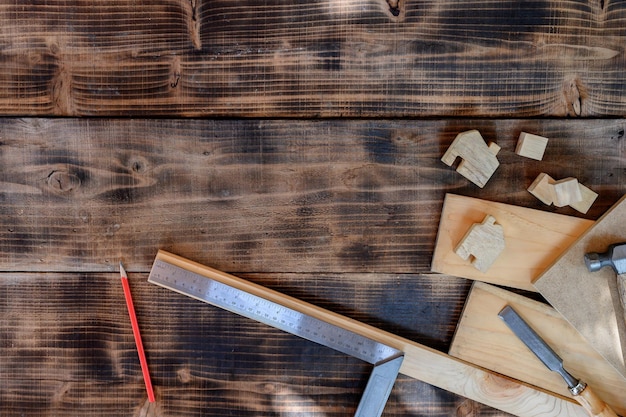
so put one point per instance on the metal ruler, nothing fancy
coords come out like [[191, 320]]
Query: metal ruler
[[249, 300]]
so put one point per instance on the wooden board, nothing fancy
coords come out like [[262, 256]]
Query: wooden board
[[341, 213], [533, 240], [482, 338], [348, 58], [590, 300], [348, 196], [67, 348], [420, 362]]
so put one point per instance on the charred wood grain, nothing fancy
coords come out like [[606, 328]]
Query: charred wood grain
[[374, 58], [68, 347], [265, 196]]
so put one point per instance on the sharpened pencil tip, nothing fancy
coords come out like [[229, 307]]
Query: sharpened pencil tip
[[122, 270]]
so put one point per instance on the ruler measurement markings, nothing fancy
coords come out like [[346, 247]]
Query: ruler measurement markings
[[268, 312], [386, 359]]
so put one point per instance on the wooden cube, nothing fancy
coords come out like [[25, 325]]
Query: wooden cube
[[543, 188], [588, 197], [531, 146], [567, 192]]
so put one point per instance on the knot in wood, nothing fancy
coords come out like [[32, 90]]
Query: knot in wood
[[270, 388], [572, 96], [394, 7], [468, 408], [499, 386], [138, 164], [62, 182], [184, 375]]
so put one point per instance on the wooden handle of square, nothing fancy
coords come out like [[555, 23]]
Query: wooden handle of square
[[594, 404]]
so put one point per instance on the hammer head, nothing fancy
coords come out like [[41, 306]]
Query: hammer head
[[615, 257]]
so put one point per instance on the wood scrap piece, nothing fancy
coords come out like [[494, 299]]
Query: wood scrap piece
[[483, 242], [589, 300], [566, 192], [588, 197], [483, 339], [479, 160], [531, 146], [420, 362], [534, 239], [542, 188]]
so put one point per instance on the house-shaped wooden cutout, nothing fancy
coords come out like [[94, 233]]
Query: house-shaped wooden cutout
[[479, 159], [484, 242]]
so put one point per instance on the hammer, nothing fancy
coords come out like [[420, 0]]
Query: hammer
[[615, 257]]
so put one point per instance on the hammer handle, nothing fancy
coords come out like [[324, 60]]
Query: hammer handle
[[621, 289], [593, 404]]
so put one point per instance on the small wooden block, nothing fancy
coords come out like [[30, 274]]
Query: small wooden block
[[484, 241], [588, 197], [566, 192], [543, 188], [479, 159], [531, 146]]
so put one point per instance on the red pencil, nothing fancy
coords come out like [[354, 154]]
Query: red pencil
[[136, 334]]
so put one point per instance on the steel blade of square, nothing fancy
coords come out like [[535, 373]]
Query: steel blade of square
[[386, 359]]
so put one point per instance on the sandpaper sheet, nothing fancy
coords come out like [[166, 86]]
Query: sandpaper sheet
[[589, 300]]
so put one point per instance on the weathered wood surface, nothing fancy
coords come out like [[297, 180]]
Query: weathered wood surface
[[342, 213], [67, 348], [336, 212], [381, 58], [263, 196]]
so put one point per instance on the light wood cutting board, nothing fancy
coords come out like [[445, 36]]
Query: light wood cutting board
[[483, 339], [533, 240]]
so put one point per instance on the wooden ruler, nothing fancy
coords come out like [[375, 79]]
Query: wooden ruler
[[420, 362]]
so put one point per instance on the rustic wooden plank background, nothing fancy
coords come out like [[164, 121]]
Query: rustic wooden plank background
[[341, 213], [296, 144], [264, 195], [379, 58]]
